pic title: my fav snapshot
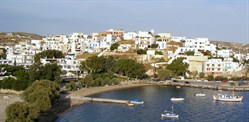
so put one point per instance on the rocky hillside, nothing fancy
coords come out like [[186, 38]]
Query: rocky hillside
[[12, 38], [235, 46]]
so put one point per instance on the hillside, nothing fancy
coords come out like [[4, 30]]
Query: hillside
[[12, 38], [235, 46]]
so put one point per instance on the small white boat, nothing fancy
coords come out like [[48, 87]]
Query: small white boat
[[169, 114], [228, 98], [176, 99], [200, 95], [178, 87], [136, 102]]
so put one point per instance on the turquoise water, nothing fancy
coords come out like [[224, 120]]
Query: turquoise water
[[157, 99]]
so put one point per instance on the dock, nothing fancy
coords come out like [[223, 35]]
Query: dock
[[105, 100]]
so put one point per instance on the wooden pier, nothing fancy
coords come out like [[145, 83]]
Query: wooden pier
[[92, 99]]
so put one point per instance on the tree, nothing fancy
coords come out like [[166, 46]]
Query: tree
[[190, 53], [48, 54], [114, 46], [141, 51], [164, 74], [38, 98], [235, 60], [201, 74], [154, 46], [20, 112], [71, 86], [210, 77], [158, 53], [48, 72], [42, 94], [178, 67], [130, 68]]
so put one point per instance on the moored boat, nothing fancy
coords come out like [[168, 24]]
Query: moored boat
[[227, 98], [176, 99], [168, 114], [137, 102], [200, 95]]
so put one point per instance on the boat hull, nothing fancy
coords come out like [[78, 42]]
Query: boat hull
[[200, 95], [228, 99], [177, 99], [170, 115]]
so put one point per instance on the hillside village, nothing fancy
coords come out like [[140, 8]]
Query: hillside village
[[160, 49]]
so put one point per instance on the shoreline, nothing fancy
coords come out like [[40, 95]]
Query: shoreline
[[68, 102]]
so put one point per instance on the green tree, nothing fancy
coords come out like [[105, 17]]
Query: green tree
[[210, 77], [48, 72], [178, 67], [42, 94], [190, 53], [71, 86], [154, 46], [114, 46], [141, 51], [130, 68], [20, 112], [164, 74], [158, 53], [48, 54]]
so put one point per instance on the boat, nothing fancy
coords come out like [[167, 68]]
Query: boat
[[171, 114], [200, 95], [176, 99], [129, 104], [178, 87], [228, 98], [137, 102]]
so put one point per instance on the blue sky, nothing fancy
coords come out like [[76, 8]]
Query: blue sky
[[225, 20]]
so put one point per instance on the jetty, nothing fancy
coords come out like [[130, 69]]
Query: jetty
[[105, 100]]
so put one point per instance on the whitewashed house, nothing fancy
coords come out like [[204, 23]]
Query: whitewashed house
[[144, 39], [224, 53], [129, 35]]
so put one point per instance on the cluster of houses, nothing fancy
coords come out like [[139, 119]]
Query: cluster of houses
[[206, 57]]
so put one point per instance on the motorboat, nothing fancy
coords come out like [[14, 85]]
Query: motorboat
[[176, 99], [137, 102], [228, 98], [171, 114], [178, 87], [200, 95]]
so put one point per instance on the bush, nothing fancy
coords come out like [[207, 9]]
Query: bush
[[71, 86], [210, 77]]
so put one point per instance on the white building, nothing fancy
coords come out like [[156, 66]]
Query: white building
[[161, 45], [177, 38], [144, 39], [213, 67], [224, 53], [129, 35]]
